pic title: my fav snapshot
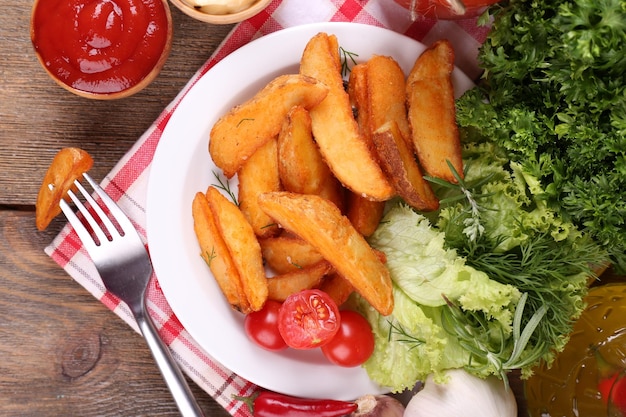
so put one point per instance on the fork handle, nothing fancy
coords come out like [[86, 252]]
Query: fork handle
[[172, 374]]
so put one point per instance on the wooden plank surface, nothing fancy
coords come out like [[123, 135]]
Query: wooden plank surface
[[64, 353]]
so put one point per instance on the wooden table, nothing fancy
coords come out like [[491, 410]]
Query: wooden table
[[62, 352]]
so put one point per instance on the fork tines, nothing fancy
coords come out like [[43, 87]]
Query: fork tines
[[95, 226]]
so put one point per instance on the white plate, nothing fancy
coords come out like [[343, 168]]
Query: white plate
[[182, 166]]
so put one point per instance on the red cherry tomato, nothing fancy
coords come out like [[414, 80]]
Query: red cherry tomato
[[308, 319], [354, 342], [262, 327], [443, 9]]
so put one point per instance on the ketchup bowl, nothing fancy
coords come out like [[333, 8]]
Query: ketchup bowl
[[102, 49]]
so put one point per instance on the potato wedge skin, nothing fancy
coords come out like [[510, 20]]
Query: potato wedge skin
[[240, 132], [398, 161], [320, 223], [301, 166], [67, 165], [349, 158], [259, 174], [216, 255], [432, 112], [364, 214], [283, 285], [242, 245]]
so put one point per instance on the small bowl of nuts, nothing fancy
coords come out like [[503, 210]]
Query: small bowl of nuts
[[221, 12]]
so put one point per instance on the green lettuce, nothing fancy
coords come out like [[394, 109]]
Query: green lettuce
[[491, 282]]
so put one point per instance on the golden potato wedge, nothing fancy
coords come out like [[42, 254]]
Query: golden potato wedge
[[282, 286], [240, 132], [288, 253], [300, 164], [216, 255], [364, 214], [334, 127], [242, 245], [338, 288], [432, 113], [386, 92], [320, 223], [67, 165], [259, 174], [357, 92], [398, 161]]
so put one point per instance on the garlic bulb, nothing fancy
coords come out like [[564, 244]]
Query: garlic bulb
[[464, 395]]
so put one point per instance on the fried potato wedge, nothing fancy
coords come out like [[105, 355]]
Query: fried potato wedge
[[67, 165], [300, 164], [432, 113], [320, 223], [398, 161], [242, 245], [386, 92], [338, 288], [334, 127], [282, 286], [364, 214], [258, 175], [216, 255], [240, 132], [288, 253]]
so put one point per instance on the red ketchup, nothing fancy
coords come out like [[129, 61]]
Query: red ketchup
[[101, 46]]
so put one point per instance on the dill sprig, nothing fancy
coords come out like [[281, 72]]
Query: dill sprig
[[348, 59], [224, 185]]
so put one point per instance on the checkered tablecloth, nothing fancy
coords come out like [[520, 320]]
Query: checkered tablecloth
[[127, 183]]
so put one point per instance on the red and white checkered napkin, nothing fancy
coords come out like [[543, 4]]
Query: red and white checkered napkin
[[127, 183]]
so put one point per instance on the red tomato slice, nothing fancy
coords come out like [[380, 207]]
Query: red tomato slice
[[354, 342], [262, 327], [308, 319]]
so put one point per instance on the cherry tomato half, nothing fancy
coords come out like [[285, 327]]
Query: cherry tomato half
[[308, 319], [262, 327], [354, 342]]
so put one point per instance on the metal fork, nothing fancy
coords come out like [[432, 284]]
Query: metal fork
[[125, 268]]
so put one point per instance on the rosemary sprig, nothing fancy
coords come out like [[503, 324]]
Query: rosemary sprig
[[403, 335], [224, 185], [463, 191]]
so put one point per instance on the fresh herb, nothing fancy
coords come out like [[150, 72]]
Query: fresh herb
[[492, 349], [244, 120], [399, 334], [553, 96], [224, 185], [348, 59], [208, 257]]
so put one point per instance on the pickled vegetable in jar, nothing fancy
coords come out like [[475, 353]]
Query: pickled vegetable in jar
[[590, 370]]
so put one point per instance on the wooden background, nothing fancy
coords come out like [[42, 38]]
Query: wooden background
[[62, 353]]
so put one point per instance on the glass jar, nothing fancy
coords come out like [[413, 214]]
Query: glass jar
[[592, 365]]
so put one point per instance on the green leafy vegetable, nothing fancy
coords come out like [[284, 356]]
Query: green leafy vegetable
[[554, 98], [488, 302]]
